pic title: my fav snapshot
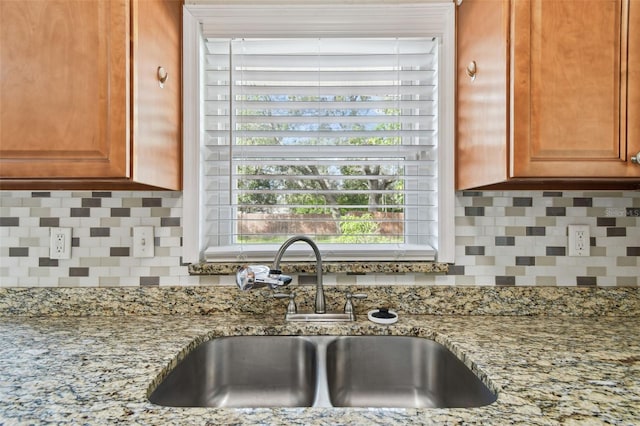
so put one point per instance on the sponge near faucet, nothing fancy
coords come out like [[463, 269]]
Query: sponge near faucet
[[383, 316]]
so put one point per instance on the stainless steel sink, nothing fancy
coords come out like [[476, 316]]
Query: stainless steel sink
[[321, 371], [243, 371], [398, 371]]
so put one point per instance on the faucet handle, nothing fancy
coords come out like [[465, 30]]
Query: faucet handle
[[348, 306], [356, 295], [291, 308]]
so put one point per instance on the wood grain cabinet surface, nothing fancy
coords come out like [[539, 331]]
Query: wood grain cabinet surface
[[555, 98], [81, 105]]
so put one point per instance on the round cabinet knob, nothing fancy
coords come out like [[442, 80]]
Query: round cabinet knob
[[162, 76], [636, 159], [472, 70]]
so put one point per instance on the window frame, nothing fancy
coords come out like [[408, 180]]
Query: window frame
[[314, 18]]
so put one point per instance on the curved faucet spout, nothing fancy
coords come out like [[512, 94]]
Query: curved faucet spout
[[319, 302]]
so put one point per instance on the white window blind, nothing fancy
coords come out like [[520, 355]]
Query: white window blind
[[334, 138]]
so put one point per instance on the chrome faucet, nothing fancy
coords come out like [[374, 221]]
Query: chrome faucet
[[319, 301], [256, 276], [319, 313]]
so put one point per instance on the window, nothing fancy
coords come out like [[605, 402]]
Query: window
[[340, 129]]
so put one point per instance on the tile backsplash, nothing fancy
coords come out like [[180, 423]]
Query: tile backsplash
[[502, 238], [101, 241], [520, 238]]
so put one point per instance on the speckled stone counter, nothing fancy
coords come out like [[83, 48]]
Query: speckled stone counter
[[414, 300], [329, 267], [100, 369], [92, 355]]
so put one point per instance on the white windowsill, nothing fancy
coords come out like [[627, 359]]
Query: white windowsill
[[301, 252]]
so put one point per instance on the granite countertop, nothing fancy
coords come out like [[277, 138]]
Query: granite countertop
[[225, 268], [99, 370]]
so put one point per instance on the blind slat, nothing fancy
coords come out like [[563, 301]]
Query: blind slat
[[332, 119], [335, 62], [392, 92], [333, 162], [287, 75], [296, 177], [326, 46], [324, 106], [324, 134]]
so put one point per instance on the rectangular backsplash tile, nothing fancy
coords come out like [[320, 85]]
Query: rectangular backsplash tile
[[503, 239]]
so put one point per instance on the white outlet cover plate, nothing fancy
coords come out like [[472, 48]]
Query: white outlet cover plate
[[579, 240], [60, 243], [143, 241]]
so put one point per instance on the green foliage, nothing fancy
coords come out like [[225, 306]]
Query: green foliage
[[310, 200], [357, 229], [252, 202]]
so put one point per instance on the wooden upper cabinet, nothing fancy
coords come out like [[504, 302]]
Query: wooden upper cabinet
[[569, 88], [157, 107], [79, 95], [482, 106], [571, 102], [64, 96], [633, 88]]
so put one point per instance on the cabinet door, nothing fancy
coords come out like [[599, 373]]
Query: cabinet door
[[63, 93], [633, 88], [157, 107], [569, 95], [482, 98]]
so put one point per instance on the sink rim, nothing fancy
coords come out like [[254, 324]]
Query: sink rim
[[323, 340]]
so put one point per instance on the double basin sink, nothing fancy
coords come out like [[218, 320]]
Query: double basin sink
[[321, 371]]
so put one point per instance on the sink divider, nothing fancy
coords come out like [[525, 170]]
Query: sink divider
[[321, 397]]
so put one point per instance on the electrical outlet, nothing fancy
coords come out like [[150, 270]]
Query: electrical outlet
[[579, 240], [143, 241], [60, 244]]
